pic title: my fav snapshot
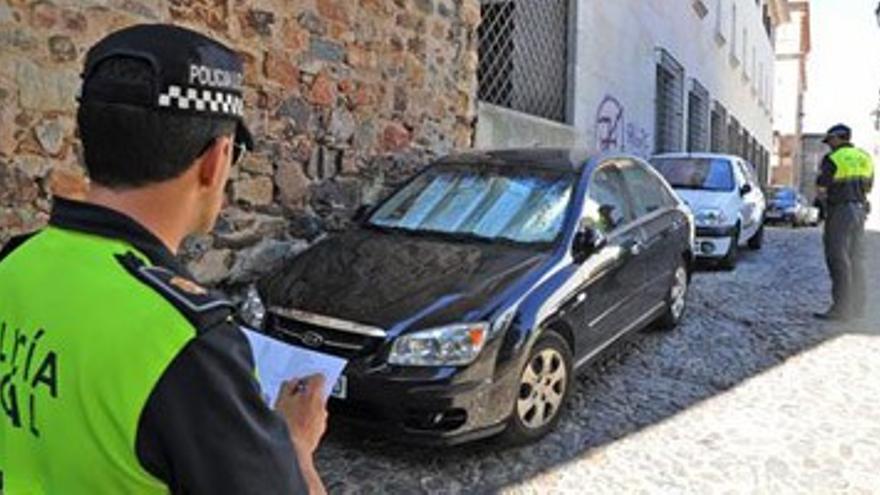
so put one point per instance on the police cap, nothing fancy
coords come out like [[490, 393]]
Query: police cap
[[192, 74], [839, 131]]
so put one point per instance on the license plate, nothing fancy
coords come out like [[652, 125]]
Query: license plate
[[774, 214], [340, 388]]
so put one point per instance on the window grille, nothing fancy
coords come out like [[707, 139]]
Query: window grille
[[733, 137], [698, 117], [669, 104], [719, 128], [523, 50]]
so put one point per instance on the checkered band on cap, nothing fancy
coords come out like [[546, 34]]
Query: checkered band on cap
[[202, 100]]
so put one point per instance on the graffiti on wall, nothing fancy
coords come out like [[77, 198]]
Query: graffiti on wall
[[610, 125], [638, 141], [613, 133]]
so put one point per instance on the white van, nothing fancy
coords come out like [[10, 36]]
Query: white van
[[725, 197]]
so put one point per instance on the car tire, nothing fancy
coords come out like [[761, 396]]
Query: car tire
[[757, 240], [543, 384], [728, 262], [676, 300]]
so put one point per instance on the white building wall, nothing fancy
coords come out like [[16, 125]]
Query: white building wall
[[615, 64], [789, 86], [785, 111]]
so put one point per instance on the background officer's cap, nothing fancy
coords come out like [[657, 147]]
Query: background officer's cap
[[840, 131], [192, 74]]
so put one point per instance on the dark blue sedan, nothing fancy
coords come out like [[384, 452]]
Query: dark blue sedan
[[467, 300]]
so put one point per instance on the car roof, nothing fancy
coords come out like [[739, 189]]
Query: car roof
[[699, 155], [564, 159]]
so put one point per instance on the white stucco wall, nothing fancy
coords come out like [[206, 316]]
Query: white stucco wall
[[616, 54], [789, 87], [786, 108]]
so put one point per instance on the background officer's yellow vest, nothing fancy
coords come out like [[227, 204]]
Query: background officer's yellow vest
[[852, 164], [82, 345]]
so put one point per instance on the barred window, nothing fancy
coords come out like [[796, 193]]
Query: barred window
[[733, 137], [698, 117], [669, 104], [523, 49], [719, 128]]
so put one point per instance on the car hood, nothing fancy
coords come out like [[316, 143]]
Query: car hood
[[698, 200], [397, 281]]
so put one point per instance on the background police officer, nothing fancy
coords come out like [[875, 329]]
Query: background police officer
[[847, 175], [118, 373]]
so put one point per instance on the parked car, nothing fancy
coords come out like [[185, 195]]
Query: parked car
[[726, 199], [787, 205], [814, 216], [468, 299]]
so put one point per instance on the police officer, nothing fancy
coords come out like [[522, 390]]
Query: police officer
[[846, 175], [118, 373]]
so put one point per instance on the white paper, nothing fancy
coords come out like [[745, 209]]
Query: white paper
[[279, 361]]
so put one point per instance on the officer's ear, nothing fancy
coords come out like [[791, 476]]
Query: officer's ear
[[213, 165]]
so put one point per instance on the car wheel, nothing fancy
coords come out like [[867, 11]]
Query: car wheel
[[757, 240], [729, 261], [676, 300], [542, 390]]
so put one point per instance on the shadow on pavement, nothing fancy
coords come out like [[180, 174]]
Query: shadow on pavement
[[739, 324]]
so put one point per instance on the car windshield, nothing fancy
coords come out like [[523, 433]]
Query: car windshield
[[485, 202], [710, 174]]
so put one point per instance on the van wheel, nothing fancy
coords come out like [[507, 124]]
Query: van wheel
[[544, 384], [676, 300], [729, 262], [757, 240]]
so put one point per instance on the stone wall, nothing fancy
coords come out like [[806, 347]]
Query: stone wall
[[346, 98]]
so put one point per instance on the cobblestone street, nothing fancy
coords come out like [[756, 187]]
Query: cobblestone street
[[749, 395]]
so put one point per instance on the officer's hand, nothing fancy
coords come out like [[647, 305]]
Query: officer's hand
[[301, 403]]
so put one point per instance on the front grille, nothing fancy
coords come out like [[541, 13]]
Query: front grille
[[338, 343]]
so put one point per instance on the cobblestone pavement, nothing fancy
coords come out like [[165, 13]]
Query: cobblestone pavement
[[749, 395]]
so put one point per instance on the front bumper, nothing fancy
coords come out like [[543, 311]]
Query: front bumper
[[428, 406], [714, 242], [722, 231], [424, 405], [779, 216]]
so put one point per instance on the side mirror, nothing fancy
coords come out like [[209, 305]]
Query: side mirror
[[361, 213], [745, 189], [587, 242]]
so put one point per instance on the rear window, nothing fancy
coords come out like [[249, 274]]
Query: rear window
[[785, 195], [710, 174]]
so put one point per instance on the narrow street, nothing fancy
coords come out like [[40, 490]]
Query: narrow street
[[749, 395]]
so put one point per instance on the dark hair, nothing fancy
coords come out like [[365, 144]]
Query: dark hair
[[127, 146]]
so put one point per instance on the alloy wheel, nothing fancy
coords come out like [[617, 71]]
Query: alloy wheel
[[542, 388]]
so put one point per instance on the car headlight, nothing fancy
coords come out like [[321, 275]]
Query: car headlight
[[710, 217], [252, 311], [452, 345]]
